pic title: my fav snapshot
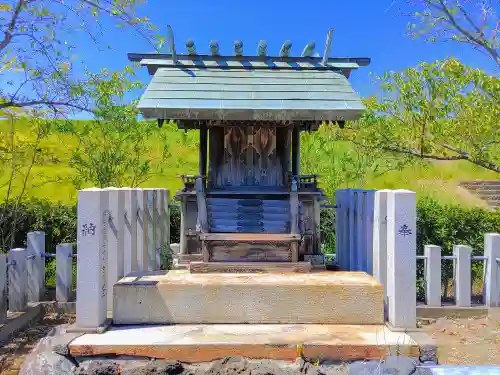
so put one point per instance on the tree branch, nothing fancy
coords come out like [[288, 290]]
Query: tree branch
[[8, 33], [52, 104], [466, 156], [479, 41]]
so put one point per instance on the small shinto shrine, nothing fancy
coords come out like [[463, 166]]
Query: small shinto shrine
[[250, 224], [250, 202]]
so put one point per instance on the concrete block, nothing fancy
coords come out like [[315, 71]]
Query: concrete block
[[433, 275], [401, 255], [492, 274], [179, 297], [64, 272], [463, 275], [92, 262], [115, 238], [130, 231], [380, 238], [17, 280], [36, 266]]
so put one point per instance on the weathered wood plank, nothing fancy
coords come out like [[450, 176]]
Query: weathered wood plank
[[244, 267], [202, 206], [251, 64], [150, 109], [248, 252], [253, 237]]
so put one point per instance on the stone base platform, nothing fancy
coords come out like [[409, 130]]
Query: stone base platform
[[204, 343], [181, 297]]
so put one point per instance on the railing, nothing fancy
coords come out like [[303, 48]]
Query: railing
[[462, 270], [376, 233], [305, 183], [22, 275]]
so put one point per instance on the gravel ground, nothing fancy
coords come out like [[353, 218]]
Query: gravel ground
[[468, 341]]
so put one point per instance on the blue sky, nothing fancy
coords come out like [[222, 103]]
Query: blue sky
[[363, 28]]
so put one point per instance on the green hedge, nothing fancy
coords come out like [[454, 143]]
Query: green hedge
[[58, 221]]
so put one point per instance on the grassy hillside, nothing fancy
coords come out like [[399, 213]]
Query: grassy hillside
[[334, 160]]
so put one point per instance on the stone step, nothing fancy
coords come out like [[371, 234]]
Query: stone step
[[205, 343], [245, 267], [481, 183], [180, 297]]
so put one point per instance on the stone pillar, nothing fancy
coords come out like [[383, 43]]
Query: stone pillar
[[93, 227], [130, 231], [115, 239], [152, 224], [36, 266], [463, 277], [401, 258], [64, 272], [3, 286], [380, 236], [142, 230], [380, 239], [17, 280], [492, 274], [368, 224], [432, 275]]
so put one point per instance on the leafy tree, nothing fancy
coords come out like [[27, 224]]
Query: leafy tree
[[112, 149], [38, 52], [19, 155], [441, 111], [473, 22]]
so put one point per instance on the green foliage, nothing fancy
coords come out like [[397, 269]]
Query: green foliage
[[112, 149], [39, 48], [442, 111], [57, 220]]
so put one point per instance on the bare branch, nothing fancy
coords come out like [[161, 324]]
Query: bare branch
[[48, 103], [15, 15]]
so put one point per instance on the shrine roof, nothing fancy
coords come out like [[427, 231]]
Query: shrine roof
[[260, 88]]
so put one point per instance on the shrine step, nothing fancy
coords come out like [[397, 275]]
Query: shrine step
[[205, 343], [181, 297], [245, 267]]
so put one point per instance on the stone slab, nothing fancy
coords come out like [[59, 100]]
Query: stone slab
[[17, 321], [204, 343], [180, 297], [245, 267]]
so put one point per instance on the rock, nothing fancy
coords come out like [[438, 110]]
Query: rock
[[157, 368], [399, 365], [266, 367], [99, 368], [44, 361], [391, 365], [229, 366]]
